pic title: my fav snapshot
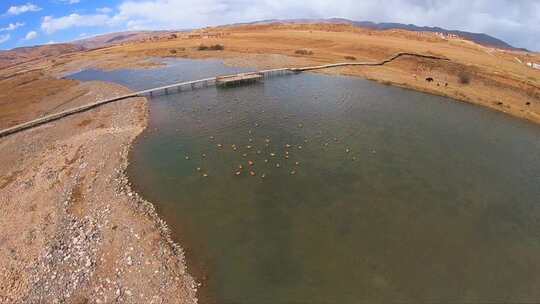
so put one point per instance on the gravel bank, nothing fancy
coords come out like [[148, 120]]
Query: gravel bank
[[72, 229]]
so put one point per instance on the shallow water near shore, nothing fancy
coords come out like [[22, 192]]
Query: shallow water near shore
[[349, 191]]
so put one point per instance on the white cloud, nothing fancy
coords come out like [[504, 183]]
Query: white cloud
[[12, 26], [28, 7], [31, 35], [51, 24], [104, 10], [71, 1], [4, 38]]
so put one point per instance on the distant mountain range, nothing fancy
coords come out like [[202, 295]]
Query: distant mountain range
[[480, 38]]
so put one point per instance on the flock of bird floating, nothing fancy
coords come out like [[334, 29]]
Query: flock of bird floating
[[248, 167]]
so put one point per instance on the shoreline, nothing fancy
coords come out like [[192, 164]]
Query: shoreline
[[84, 234]]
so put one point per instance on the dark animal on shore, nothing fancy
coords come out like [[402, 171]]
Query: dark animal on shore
[[429, 79]]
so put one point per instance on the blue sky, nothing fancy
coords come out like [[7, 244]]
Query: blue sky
[[24, 23], [21, 21]]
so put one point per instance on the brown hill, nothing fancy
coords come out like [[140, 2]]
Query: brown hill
[[24, 54], [120, 38]]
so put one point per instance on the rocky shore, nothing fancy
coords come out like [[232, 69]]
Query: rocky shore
[[72, 229]]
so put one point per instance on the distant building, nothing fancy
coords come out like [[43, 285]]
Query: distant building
[[534, 65]]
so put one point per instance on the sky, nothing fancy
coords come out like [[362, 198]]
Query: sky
[[25, 23]]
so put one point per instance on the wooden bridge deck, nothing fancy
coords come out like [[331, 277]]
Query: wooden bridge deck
[[201, 83], [238, 79]]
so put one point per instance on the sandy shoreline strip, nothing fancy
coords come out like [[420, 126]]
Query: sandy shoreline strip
[[72, 229]]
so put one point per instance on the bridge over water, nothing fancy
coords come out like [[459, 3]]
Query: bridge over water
[[202, 83]]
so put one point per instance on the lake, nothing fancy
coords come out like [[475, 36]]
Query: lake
[[325, 189]]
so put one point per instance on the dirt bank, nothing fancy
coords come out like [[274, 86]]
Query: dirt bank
[[72, 231]]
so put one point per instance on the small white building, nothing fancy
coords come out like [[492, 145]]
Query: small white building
[[534, 65]]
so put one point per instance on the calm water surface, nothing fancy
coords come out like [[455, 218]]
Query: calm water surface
[[381, 194]]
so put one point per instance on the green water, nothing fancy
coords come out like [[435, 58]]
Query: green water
[[397, 196]]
